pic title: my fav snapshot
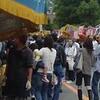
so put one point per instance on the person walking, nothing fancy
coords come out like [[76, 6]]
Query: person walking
[[19, 70], [60, 63], [96, 75], [83, 69], [71, 52], [43, 89]]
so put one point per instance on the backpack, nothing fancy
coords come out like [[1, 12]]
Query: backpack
[[61, 57], [60, 60]]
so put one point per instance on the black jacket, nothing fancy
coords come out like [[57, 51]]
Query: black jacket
[[61, 57]]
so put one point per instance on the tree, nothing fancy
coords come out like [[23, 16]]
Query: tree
[[89, 12], [77, 12], [95, 11], [66, 11]]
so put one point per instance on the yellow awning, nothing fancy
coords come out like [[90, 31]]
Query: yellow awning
[[18, 9]]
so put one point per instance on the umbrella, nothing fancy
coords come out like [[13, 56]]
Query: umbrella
[[18, 14], [68, 30]]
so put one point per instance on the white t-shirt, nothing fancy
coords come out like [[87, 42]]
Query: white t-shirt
[[70, 52], [48, 57], [95, 44], [97, 55], [77, 45]]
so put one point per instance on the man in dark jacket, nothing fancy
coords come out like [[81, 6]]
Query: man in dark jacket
[[60, 63], [19, 70]]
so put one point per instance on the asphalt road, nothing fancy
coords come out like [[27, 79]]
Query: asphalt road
[[70, 92]]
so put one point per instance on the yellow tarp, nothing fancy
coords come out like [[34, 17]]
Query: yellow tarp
[[12, 7], [65, 28]]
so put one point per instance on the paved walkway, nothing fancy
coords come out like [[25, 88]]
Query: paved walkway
[[70, 93]]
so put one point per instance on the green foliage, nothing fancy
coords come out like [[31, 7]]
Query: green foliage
[[89, 12], [77, 12], [51, 26]]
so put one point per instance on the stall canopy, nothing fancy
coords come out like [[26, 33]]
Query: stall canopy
[[33, 10], [68, 30], [18, 14], [68, 27]]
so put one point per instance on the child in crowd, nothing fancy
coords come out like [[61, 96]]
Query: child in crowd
[[40, 65]]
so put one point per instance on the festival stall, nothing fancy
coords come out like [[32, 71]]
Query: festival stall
[[18, 14]]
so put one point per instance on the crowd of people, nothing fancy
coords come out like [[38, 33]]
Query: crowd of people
[[37, 66]]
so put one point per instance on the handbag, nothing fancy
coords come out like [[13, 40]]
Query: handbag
[[79, 62], [54, 79]]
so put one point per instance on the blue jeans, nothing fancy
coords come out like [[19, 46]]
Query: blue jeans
[[58, 70], [37, 86], [47, 89], [44, 91], [95, 83], [60, 74], [57, 89]]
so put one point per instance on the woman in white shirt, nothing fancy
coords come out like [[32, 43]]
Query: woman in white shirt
[[48, 54], [71, 52]]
